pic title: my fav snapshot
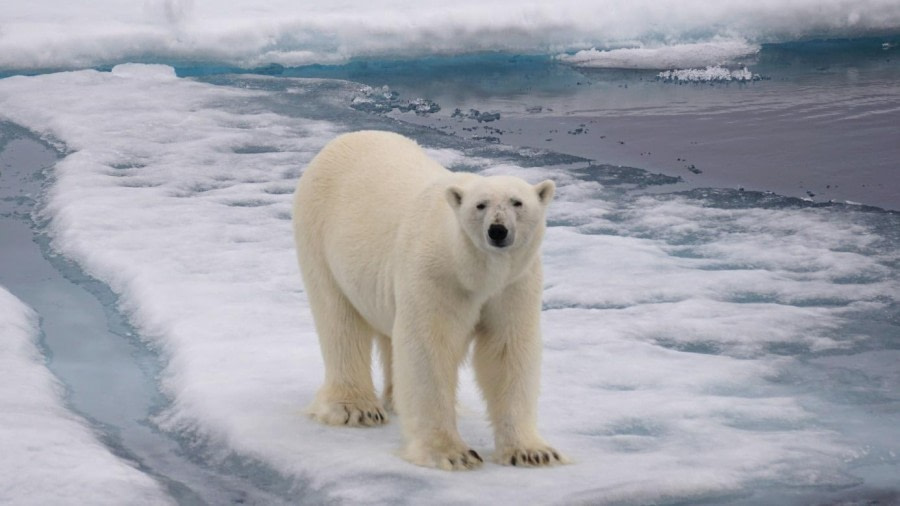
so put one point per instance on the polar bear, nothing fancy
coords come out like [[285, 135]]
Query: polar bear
[[395, 248]]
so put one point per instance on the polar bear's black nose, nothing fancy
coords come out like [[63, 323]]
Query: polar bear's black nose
[[497, 232]]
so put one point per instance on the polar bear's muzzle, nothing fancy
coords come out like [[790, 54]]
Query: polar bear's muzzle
[[499, 235]]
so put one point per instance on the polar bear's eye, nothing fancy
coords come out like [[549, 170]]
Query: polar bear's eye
[[481, 206], [517, 203]]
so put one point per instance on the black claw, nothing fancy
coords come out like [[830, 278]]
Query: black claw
[[361, 417], [545, 458], [513, 460], [533, 458], [347, 420], [452, 462], [464, 460], [474, 454], [556, 456]]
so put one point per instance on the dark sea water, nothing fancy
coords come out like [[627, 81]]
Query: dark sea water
[[820, 123]]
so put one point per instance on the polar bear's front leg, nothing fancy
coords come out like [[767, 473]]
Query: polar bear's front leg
[[507, 362], [426, 363]]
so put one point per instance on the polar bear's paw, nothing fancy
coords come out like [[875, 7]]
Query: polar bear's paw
[[358, 413], [534, 456], [449, 457]]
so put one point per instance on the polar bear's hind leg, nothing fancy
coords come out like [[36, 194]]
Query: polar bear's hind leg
[[348, 395], [385, 352]]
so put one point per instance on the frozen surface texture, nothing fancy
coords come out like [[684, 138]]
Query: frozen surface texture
[[664, 57], [708, 74], [58, 34], [49, 455], [704, 346]]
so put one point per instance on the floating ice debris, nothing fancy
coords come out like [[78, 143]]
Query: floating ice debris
[[476, 115], [708, 75], [888, 45], [388, 94], [369, 102], [425, 106], [385, 100]]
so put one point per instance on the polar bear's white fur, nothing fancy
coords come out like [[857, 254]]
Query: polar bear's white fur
[[395, 248]]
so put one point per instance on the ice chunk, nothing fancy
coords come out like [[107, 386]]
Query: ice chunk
[[139, 71], [709, 74], [477, 115], [661, 57], [387, 100]]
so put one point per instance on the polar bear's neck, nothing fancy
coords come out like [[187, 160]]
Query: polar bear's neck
[[486, 273]]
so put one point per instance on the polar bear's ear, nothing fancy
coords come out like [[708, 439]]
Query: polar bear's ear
[[545, 191], [454, 196]]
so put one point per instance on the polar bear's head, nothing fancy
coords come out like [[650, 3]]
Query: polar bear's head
[[501, 212]]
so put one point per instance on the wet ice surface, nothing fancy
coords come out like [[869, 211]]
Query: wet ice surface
[[49, 454], [108, 378], [710, 345]]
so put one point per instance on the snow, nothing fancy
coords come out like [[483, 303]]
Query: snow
[[50, 455], [59, 34], [709, 54], [663, 317]]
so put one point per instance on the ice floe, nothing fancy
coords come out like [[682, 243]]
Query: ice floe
[[674, 329]]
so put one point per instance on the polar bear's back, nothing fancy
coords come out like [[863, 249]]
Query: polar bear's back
[[349, 205], [371, 170]]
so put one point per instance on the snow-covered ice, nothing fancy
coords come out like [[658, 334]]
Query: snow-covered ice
[[679, 335], [50, 455], [702, 54], [58, 34]]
